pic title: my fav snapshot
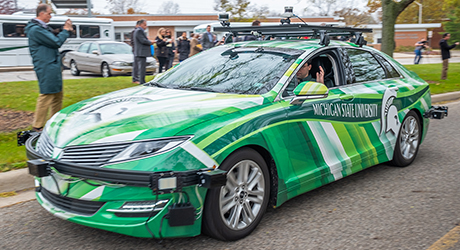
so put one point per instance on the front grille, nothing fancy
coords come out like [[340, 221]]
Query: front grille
[[44, 145], [92, 155], [82, 207]]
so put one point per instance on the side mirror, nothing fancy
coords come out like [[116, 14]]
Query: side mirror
[[309, 90], [95, 52]]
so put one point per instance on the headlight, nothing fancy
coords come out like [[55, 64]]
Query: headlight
[[149, 148], [139, 208], [118, 64]]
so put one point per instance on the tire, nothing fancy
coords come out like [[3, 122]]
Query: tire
[[408, 140], [74, 69], [105, 70], [62, 55], [233, 211]]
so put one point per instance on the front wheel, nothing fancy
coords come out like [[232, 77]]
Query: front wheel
[[408, 140], [233, 211], [105, 70]]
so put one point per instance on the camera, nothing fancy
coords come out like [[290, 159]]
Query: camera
[[223, 17], [288, 11]]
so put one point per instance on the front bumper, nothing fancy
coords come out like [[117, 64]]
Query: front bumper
[[95, 196], [118, 70]]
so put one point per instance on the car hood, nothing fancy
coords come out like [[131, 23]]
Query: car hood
[[141, 113]]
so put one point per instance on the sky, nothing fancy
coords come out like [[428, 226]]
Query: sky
[[190, 6]]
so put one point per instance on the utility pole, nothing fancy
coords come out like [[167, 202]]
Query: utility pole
[[419, 11], [88, 3]]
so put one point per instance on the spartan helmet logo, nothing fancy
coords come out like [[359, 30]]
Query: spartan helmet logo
[[389, 115]]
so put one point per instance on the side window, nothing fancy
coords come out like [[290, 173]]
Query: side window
[[89, 31], [92, 47], [365, 66], [57, 28], [83, 48], [391, 72], [12, 30]]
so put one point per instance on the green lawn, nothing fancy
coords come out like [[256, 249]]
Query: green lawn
[[23, 95], [432, 74]]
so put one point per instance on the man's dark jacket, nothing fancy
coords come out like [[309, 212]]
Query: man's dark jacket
[[445, 49], [44, 49], [141, 44]]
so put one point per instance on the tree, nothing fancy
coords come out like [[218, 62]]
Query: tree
[[122, 6], [236, 8], [169, 8], [354, 16], [7, 7], [390, 12], [79, 12], [432, 11]]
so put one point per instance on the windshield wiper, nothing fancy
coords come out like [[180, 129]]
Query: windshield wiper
[[203, 89], [156, 84]]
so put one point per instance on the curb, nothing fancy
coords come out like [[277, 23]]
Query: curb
[[17, 180], [9, 69]]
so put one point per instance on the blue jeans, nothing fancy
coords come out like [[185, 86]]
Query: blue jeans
[[418, 56]]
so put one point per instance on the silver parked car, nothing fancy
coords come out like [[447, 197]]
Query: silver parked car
[[107, 58]]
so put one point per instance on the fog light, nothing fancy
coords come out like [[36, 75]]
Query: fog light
[[139, 208]]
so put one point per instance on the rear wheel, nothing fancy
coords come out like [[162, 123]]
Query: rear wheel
[[105, 70], [232, 212], [73, 68], [408, 140]]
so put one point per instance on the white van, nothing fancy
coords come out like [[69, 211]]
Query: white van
[[14, 49]]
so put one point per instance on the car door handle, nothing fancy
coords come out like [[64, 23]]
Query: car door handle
[[347, 97]]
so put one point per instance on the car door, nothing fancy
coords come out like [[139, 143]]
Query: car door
[[94, 60], [325, 136], [79, 56], [377, 85]]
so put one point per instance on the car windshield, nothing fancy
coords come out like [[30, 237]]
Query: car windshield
[[231, 70], [115, 48]]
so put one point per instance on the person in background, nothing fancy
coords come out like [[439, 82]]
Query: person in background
[[171, 49], [445, 54], [419, 46], [131, 41], [183, 47], [44, 50], [162, 51], [142, 50], [252, 37], [208, 39], [195, 46]]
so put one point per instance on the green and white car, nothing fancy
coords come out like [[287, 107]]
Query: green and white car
[[208, 145]]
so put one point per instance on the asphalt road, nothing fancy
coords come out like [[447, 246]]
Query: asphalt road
[[382, 207]]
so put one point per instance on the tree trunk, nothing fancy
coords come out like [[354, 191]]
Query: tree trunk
[[391, 11]]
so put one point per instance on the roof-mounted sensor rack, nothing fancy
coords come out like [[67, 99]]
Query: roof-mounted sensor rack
[[289, 31]]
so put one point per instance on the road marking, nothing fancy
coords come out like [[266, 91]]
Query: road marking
[[447, 241]]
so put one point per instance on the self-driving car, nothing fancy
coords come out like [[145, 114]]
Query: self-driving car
[[208, 145]]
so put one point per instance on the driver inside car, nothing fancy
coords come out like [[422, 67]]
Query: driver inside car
[[303, 75]]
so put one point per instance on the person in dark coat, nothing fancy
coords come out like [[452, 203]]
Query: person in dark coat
[[142, 50], [162, 51], [445, 53], [171, 49], [183, 47], [131, 41], [44, 49]]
